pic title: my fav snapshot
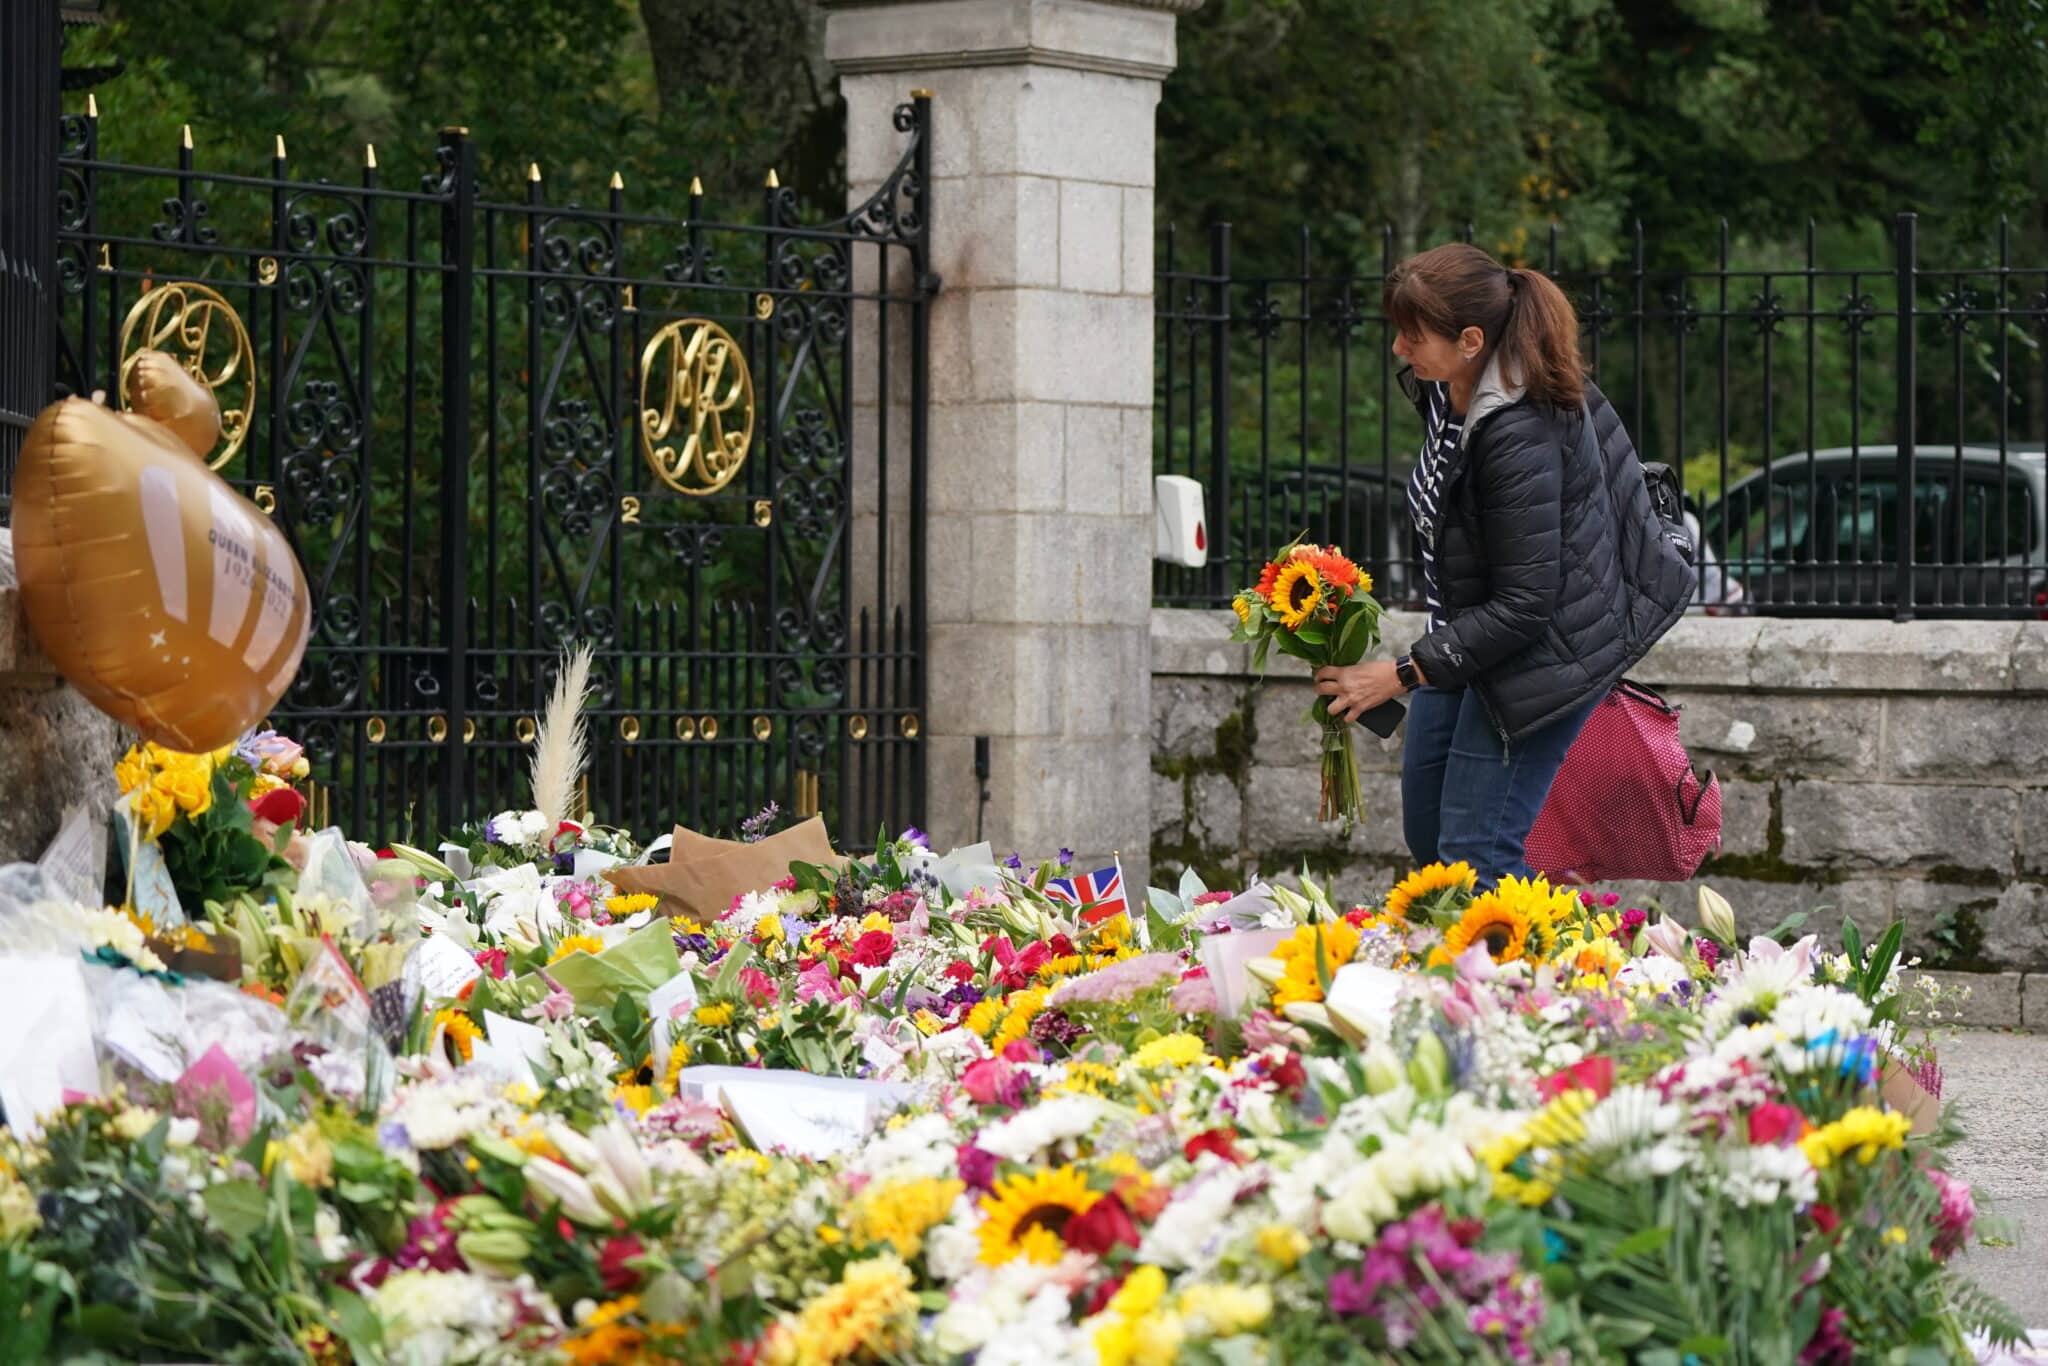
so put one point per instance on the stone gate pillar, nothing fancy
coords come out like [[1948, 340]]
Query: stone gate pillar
[[1039, 502]]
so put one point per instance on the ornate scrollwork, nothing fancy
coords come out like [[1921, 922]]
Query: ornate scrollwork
[[344, 227], [179, 318], [694, 382]]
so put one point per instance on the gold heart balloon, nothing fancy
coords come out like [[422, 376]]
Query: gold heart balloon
[[160, 593]]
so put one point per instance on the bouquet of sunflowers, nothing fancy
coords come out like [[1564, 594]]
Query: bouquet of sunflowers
[[1317, 606]]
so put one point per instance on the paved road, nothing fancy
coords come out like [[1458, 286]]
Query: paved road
[[2000, 1081]]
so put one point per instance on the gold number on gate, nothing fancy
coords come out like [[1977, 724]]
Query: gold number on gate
[[629, 510]]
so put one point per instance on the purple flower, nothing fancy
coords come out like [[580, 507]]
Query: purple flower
[[965, 995], [1014, 862], [1055, 1027], [917, 837], [1066, 857], [756, 827], [977, 1167]]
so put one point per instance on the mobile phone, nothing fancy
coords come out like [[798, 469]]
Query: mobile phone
[[1384, 719]]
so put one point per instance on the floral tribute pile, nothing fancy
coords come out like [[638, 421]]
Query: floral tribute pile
[[912, 1110]]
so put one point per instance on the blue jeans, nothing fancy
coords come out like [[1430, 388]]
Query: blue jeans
[[1465, 796]]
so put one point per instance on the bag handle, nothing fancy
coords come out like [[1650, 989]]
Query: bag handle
[[1699, 793], [1643, 692]]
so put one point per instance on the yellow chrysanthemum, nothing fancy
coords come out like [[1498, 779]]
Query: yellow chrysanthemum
[[458, 1030], [1083, 1076], [1282, 1244], [1297, 593], [631, 904], [899, 1212], [1220, 1310], [869, 1314], [1174, 1050], [1339, 941], [1025, 1214], [1242, 605], [1427, 882], [576, 943], [1865, 1131]]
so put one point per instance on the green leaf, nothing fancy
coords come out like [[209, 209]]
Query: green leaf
[[360, 1327], [1642, 1242], [237, 1207], [1852, 943]]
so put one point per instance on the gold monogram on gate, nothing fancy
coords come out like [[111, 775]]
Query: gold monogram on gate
[[694, 385], [178, 319]]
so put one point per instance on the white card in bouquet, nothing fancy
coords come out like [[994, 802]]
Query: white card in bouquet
[[591, 862], [795, 1111], [529, 1041], [1225, 956], [1367, 994], [76, 861], [1253, 909], [457, 859], [673, 998], [445, 968], [45, 1037], [961, 871], [145, 1028]]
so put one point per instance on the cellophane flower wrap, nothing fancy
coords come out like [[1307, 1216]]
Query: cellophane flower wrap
[[1316, 605]]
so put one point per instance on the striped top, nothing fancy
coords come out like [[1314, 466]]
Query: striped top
[[1439, 444]]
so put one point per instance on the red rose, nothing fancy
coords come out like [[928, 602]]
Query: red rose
[[1102, 1226], [1101, 1295], [280, 806], [1290, 1076], [873, 949], [1059, 946], [1215, 1141], [1772, 1123], [1825, 1219], [612, 1263], [960, 970]]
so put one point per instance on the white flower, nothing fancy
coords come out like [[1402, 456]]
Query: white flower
[[919, 1147], [1633, 1135], [952, 1249], [1765, 1174], [1657, 972], [439, 1318], [1023, 1136], [328, 1239], [1187, 1231]]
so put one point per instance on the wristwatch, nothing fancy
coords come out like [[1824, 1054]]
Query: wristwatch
[[1404, 670]]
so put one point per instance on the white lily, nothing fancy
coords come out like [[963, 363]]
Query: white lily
[[554, 1184]]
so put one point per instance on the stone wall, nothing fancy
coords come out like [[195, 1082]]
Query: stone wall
[[1868, 768]]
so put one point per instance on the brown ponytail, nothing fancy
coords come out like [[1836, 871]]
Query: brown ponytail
[[1524, 316]]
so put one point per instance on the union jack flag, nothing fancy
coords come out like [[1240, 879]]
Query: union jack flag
[[1098, 895]]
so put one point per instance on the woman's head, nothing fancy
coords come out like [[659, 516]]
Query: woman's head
[[1454, 308]]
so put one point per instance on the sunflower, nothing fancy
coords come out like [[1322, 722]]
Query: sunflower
[[1025, 1214], [678, 1059], [1426, 883], [1297, 593], [1495, 922], [458, 1033]]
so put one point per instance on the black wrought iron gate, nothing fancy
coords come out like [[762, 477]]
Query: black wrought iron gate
[[494, 428]]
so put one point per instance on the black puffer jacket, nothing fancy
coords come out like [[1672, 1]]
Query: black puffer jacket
[[1555, 573]]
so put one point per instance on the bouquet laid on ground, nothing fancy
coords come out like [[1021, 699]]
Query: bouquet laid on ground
[[1317, 606]]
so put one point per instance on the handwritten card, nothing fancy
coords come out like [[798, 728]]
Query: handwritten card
[[794, 1111], [76, 861], [446, 968]]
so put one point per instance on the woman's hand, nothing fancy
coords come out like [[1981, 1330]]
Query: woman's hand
[[1355, 689]]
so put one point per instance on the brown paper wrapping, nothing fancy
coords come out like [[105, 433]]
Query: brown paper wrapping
[[704, 874]]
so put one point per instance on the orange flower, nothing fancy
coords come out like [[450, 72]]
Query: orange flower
[[1267, 576], [1336, 569]]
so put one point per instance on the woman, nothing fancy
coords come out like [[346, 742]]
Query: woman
[[1546, 567]]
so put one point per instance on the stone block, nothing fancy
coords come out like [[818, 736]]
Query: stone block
[[994, 456], [1026, 568], [1113, 575], [1103, 697], [56, 748], [1091, 795], [952, 792], [1217, 814], [1745, 817], [1280, 814], [1886, 825], [1186, 713], [1761, 735], [1916, 656], [2033, 849], [1095, 475], [1286, 737], [1169, 809], [997, 680], [1091, 247], [2016, 932], [1969, 739], [2030, 657], [1197, 641], [1138, 273], [949, 543], [1082, 125], [1702, 652], [1135, 464], [1004, 232], [1074, 348], [1996, 999]]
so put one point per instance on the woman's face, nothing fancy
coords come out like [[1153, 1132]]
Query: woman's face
[[1433, 356]]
